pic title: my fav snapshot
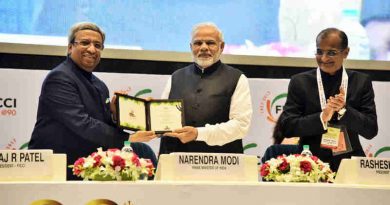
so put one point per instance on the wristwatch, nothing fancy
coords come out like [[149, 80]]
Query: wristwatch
[[341, 113]]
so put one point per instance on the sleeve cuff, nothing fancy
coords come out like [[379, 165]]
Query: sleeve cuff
[[341, 113], [324, 124], [201, 134], [113, 119]]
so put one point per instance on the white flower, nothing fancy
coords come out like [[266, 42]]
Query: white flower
[[112, 165], [296, 168]]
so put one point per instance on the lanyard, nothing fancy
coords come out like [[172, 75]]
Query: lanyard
[[321, 92]]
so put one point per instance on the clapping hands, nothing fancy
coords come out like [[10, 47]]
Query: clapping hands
[[334, 104]]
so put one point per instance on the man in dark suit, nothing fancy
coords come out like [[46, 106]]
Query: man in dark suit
[[331, 97], [74, 111]]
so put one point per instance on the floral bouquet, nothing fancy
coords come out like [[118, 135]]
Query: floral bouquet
[[113, 164], [296, 168]]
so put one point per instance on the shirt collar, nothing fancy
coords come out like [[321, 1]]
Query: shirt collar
[[327, 77], [207, 70], [86, 74]]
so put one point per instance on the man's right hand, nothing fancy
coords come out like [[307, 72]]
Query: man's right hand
[[142, 136], [327, 112], [185, 134]]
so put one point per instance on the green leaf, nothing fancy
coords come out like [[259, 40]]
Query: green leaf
[[24, 146], [283, 95], [249, 146], [383, 149], [144, 91]]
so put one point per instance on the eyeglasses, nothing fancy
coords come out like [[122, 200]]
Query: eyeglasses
[[87, 44], [329, 53]]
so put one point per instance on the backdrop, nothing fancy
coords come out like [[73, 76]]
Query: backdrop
[[20, 89]]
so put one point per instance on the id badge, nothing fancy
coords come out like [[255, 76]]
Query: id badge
[[331, 138], [344, 145], [341, 147]]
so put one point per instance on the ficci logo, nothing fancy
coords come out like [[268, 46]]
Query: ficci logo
[[369, 152], [128, 89], [7, 102], [13, 145], [7, 106], [273, 106]]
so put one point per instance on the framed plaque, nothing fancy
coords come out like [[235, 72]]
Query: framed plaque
[[158, 115]]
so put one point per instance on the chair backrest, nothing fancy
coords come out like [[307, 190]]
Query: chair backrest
[[278, 149], [144, 151]]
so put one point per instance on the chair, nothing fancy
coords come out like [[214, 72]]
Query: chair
[[144, 151], [278, 149]]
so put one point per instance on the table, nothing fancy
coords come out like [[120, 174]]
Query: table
[[165, 192]]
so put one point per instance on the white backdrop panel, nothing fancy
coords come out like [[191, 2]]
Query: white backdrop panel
[[23, 86]]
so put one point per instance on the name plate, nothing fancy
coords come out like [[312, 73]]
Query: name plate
[[207, 167], [363, 170], [26, 164]]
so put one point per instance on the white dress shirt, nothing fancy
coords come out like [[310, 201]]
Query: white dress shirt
[[240, 115]]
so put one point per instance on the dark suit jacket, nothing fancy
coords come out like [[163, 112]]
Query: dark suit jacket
[[301, 116], [74, 115]]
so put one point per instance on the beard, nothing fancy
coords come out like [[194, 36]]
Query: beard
[[206, 62]]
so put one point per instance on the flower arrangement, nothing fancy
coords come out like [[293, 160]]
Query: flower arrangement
[[296, 168], [113, 164]]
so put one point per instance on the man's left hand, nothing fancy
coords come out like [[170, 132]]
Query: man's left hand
[[185, 134], [338, 101], [113, 103], [113, 106]]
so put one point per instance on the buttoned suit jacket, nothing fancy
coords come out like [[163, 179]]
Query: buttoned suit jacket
[[74, 116]]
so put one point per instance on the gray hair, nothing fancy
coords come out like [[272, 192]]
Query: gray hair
[[84, 26], [207, 24]]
